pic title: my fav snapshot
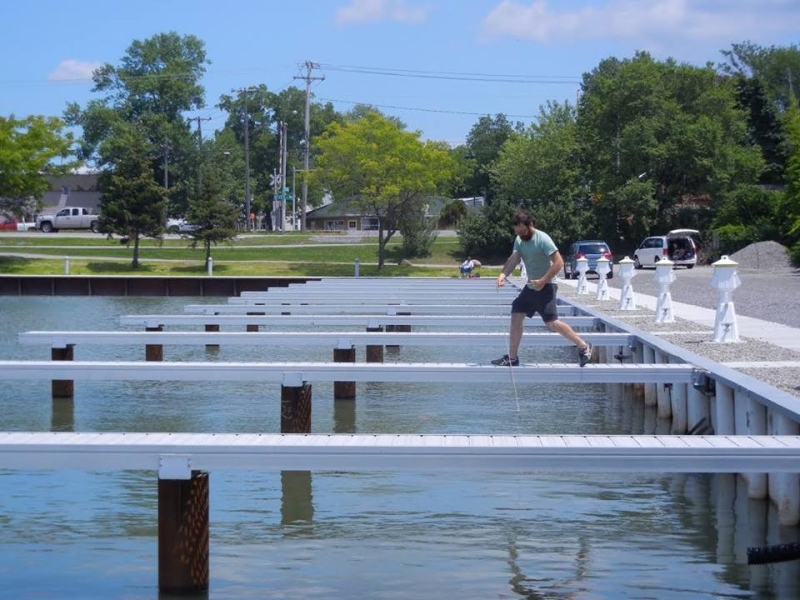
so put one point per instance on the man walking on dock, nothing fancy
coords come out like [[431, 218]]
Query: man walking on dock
[[542, 262]]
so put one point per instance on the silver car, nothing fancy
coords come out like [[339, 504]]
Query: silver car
[[592, 250]]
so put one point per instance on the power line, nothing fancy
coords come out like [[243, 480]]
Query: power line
[[457, 76], [430, 110]]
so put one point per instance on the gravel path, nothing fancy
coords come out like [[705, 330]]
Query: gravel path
[[770, 293]]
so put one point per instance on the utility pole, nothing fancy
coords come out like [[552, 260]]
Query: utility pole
[[240, 91], [282, 163], [166, 148], [309, 66], [200, 149], [294, 197]]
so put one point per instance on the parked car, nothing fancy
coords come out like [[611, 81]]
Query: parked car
[[592, 250], [175, 225], [8, 223], [677, 245]]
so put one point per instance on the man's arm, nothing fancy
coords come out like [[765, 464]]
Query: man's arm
[[508, 268], [556, 264]]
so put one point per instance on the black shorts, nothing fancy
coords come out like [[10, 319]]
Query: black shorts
[[530, 302]]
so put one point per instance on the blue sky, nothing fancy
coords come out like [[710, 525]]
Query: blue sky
[[517, 53]]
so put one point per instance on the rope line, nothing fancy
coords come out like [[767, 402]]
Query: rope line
[[508, 353]]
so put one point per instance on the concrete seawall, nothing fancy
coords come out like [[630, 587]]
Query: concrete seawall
[[94, 285]]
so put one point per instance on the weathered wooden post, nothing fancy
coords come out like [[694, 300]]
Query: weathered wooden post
[[374, 351], [154, 352], [183, 530], [398, 328], [252, 327], [295, 404], [344, 390], [62, 388], [296, 504], [212, 328]]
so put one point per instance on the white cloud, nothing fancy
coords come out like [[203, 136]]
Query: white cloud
[[71, 70], [688, 20], [364, 11]]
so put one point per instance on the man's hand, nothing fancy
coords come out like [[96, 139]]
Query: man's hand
[[537, 284], [501, 279]]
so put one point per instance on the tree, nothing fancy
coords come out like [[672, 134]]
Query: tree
[[27, 149], [776, 67], [488, 233], [452, 213], [542, 168], [484, 143], [381, 170], [213, 217], [792, 209], [265, 110], [157, 81], [765, 127], [132, 204], [676, 126]]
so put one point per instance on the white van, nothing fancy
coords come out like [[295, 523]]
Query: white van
[[677, 245]]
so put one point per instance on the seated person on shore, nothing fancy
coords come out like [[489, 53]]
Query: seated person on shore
[[466, 268]]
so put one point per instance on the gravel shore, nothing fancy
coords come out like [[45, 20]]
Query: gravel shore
[[770, 295]]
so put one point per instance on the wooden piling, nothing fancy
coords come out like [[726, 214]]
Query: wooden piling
[[399, 328], [214, 329], [344, 390], [253, 327], [62, 388], [374, 352], [183, 548], [154, 352], [296, 408]]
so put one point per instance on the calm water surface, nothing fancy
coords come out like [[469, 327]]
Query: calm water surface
[[366, 535]]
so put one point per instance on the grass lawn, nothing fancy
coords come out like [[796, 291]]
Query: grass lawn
[[296, 254]]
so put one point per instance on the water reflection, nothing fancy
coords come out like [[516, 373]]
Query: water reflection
[[63, 415], [297, 504]]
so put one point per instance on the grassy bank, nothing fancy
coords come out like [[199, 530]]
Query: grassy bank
[[251, 255]]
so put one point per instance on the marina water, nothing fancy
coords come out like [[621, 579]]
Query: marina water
[[66, 534]]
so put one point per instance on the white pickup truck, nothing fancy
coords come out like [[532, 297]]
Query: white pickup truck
[[69, 217]]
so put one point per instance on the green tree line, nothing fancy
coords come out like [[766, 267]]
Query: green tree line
[[649, 146]]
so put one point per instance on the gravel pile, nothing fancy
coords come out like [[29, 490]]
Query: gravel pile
[[763, 256]]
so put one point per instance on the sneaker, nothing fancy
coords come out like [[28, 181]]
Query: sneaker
[[506, 362], [585, 354]]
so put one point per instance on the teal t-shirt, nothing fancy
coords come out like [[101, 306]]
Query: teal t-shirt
[[535, 253]]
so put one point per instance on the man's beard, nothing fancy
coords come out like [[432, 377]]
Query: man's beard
[[527, 236]]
